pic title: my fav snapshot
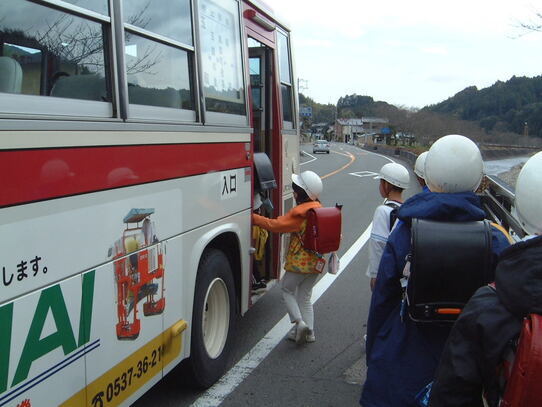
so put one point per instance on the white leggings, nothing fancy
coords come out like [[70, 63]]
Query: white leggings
[[296, 293]]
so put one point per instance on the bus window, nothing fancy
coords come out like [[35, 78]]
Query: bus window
[[221, 56], [158, 75], [170, 18], [286, 92], [159, 58], [285, 79], [59, 54], [99, 6]]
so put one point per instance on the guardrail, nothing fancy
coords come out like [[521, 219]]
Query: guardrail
[[498, 202], [497, 196]]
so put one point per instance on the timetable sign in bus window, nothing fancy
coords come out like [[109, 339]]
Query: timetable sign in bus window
[[222, 70]]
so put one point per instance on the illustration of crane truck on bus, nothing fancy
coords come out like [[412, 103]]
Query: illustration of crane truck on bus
[[139, 272]]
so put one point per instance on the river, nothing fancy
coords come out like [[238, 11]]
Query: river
[[496, 167], [506, 169]]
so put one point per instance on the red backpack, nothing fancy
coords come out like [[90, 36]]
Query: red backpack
[[524, 387], [323, 229]]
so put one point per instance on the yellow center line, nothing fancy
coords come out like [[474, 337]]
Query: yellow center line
[[352, 159]]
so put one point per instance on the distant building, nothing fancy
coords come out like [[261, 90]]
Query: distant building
[[351, 130], [318, 130]]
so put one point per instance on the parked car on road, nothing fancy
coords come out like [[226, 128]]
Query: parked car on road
[[320, 146]]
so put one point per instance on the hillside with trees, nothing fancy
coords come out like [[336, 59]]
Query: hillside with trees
[[320, 113], [512, 106]]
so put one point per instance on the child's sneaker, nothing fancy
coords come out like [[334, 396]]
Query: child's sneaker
[[291, 333], [259, 287], [301, 333], [310, 336]]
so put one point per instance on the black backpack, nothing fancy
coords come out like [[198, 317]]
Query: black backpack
[[449, 261]]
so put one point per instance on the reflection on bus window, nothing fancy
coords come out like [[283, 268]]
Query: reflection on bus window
[[158, 75], [221, 56], [99, 6], [285, 77], [170, 18], [56, 53]]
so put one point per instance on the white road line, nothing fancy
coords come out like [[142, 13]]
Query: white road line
[[310, 161], [362, 174], [380, 155], [235, 376]]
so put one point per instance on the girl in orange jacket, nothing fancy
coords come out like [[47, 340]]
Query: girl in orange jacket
[[301, 267]]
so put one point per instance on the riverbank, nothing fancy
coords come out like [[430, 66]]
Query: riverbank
[[488, 154], [511, 176]]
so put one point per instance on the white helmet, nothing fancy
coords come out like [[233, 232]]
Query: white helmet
[[528, 195], [419, 167], [395, 174], [453, 164], [310, 182]]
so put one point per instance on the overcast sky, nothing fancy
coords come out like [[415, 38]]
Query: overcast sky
[[410, 53]]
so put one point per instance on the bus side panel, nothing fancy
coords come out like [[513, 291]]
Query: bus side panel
[[42, 345], [147, 274], [188, 250], [290, 165], [127, 360], [290, 161], [55, 239]]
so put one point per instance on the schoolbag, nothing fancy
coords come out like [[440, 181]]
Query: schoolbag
[[448, 262], [323, 229], [523, 387]]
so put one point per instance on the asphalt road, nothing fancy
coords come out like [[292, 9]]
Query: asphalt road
[[328, 372]]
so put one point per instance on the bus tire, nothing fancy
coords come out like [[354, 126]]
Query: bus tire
[[213, 319]]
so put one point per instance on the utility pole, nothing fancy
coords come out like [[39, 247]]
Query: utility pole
[[303, 84]]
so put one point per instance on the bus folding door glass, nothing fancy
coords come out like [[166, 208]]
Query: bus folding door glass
[[99, 6], [285, 78], [158, 75], [256, 82], [221, 56], [59, 54], [170, 18]]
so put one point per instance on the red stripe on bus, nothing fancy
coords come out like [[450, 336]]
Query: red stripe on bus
[[33, 175]]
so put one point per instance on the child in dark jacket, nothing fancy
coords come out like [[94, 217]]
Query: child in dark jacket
[[493, 318], [402, 356]]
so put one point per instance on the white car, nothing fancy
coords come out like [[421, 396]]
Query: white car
[[320, 146]]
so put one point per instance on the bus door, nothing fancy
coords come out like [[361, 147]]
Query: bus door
[[265, 139], [260, 85]]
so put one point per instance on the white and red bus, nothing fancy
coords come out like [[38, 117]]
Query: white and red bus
[[128, 131]]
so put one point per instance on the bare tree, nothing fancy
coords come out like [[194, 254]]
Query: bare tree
[[80, 42]]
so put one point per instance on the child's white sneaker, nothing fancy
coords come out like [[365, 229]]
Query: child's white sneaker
[[291, 333], [301, 333]]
